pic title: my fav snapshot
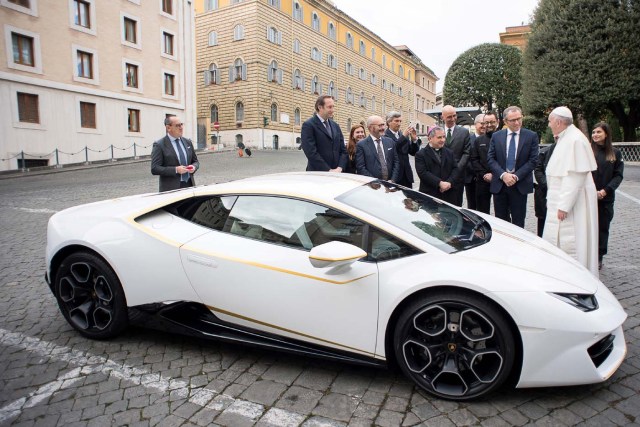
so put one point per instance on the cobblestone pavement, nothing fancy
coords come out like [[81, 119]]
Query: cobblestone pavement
[[50, 375]]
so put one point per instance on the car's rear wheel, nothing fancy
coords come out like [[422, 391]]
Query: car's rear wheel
[[454, 345], [90, 296]]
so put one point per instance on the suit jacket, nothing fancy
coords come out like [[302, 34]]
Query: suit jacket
[[540, 188], [432, 169], [478, 158], [526, 159], [404, 148], [323, 152], [368, 163], [164, 161], [460, 145]]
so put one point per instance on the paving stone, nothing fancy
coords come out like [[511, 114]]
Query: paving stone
[[350, 384], [204, 417], [299, 399], [264, 392], [240, 413], [389, 418], [322, 422], [336, 406], [397, 404], [316, 379], [366, 411], [463, 417], [276, 417]]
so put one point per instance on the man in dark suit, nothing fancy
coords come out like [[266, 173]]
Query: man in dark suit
[[322, 140], [513, 154], [436, 167], [376, 154], [174, 158], [479, 165], [469, 175], [540, 187], [407, 143], [457, 139]]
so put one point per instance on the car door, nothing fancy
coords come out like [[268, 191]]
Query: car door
[[256, 272]]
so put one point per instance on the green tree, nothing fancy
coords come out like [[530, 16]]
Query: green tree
[[585, 54], [485, 76]]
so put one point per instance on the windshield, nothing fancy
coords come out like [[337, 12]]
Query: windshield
[[448, 228]]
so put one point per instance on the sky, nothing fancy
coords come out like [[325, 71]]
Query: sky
[[438, 31]]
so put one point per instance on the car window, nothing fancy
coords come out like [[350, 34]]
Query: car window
[[292, 222], [431, 220], [384, 247], [211, 211]]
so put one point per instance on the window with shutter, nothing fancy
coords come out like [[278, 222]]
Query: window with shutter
[[28, 109]]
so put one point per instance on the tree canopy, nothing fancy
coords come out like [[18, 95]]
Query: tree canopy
[[485, 76], [585, 54]]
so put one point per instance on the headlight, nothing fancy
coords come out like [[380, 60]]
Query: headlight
[[584, 302]]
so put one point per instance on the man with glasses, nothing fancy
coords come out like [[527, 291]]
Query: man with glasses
[[481, 169], [513, 154], [173, 157]]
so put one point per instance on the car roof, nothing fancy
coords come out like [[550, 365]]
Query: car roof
[[324, 185]]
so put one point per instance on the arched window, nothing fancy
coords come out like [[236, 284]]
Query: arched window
[[374, 79], [349, 124], [315, 21], [363, 100], [274, 3], [384, 60], [274, 112], [348, 68], [297, 80], [373, 103], [392, 88], [401, 71], [384, 106], [214, 113], [384, 84], [393, 66], [332, 89], [349, 41], [373, 53], [400, 92], [297, 11], [239, 111], [212, 75], [332, 61], [316, 55], [296, 46], [213, 38], [238, 32], [210, 5], [362, 48], [238, 71], [296, 117], [349, 95], [331, 31], [274, 36], [273, 73], [362, 74], [314, 85]]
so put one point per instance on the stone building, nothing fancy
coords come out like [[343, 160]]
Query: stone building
[[262, 63], [88, 79]]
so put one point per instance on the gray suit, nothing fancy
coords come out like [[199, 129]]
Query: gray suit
[[368, 163], [164, 161]]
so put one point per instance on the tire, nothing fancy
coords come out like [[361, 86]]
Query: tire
[[454, 345], [90, 296]]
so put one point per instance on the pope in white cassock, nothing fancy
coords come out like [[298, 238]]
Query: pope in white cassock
[[572, 204]]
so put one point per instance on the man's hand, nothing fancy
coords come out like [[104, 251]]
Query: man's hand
[[509, 179], [562, 215], [444, 186], [181, 170], [487, 177], [338, 169], [602, 194]]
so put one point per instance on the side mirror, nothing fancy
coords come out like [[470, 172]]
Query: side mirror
[[334, 254]]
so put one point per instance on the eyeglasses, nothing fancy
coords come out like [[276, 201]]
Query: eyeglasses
[[517, 119], [178, 125]]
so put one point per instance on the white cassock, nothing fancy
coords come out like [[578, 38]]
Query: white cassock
[[571, 189]]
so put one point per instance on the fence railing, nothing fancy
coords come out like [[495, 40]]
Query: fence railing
[[630, 150], [53, 158]]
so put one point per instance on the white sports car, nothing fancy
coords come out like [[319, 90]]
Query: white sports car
[[344, 267]]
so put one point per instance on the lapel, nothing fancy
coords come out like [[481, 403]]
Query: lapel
[[390, 134], [169, 151], [453, 135], [432, 153], [372, 146], [322, 128], [520, 144]]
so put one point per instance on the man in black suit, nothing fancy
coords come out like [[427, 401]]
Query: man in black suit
[[457, 139], [513, 154], [479, 165], [376, 155], [540, 187], [436, 167], [174, 158], [322, 140], [470, 176], [407, 143]]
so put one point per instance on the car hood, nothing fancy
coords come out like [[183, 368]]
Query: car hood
[[513, 246]]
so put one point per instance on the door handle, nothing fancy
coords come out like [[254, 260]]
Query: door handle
[[207, 262]]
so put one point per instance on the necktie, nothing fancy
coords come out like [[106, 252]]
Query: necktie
[[383, 164], [183, 160], [328, 127], [511, 154], [448, 137]]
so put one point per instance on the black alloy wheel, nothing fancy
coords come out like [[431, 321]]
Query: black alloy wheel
[[90, 296], [454, 345]]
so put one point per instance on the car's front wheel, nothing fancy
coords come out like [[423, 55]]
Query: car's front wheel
[[455, 345], [90, 296]]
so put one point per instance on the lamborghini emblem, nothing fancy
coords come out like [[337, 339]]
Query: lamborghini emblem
[[452, 347]]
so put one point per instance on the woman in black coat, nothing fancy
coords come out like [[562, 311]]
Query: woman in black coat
[[607, 178], [356, 134]]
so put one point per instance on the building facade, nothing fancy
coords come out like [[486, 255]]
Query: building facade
[[516, 36], [92, 80], [261, 64]]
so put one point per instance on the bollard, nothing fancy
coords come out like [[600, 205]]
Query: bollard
[[22, 157], [135, 156], [57, 159], [112, 152], [86, 154]]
